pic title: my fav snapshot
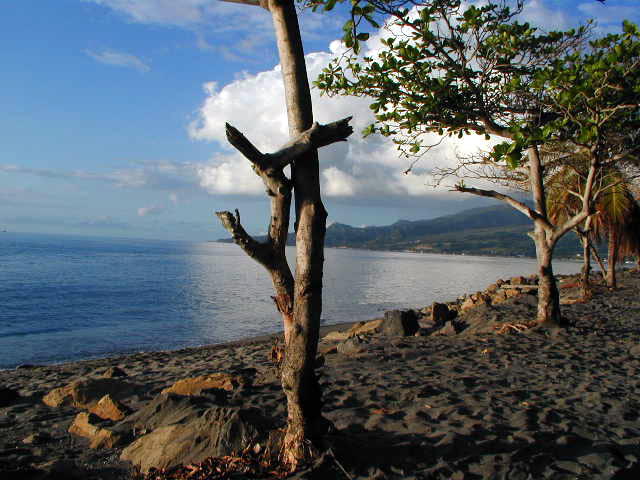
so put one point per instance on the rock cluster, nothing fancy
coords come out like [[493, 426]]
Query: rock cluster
[[187, 422], [439, 319]]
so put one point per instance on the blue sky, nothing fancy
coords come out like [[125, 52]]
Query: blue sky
[[113, 112]]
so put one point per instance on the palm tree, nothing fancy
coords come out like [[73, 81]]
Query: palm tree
[[618, 220], [617, 213]]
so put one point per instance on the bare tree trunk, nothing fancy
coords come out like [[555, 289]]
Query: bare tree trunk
[[612, 259], [299, 300], [304, 422], [586, 266], [596, 255]]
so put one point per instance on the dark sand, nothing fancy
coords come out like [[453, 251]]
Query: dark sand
[[559, 405]]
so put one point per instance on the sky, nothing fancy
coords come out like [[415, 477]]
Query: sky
[[112, 118]]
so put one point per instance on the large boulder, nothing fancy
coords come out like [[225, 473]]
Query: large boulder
[[217, 432], [84, 425], [439, 313], [86, 393], [166, 409], [399, 323], [196, 385]]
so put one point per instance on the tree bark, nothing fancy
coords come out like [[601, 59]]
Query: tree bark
[[586, 265], [612, 259], [548, 294], [304, 421]]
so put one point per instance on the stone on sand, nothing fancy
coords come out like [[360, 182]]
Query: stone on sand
[[84, 426], [352, 346], [113, 372], [108, 408], [195, 385], [399, 323], [86, 393], [217, 432], [336, 336], [439, 313]]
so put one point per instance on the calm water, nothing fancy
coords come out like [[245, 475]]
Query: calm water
[[65, 298]]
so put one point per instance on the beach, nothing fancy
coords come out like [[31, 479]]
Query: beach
[[534, 404]]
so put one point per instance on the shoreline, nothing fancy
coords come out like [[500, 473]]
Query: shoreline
[[543, 404]]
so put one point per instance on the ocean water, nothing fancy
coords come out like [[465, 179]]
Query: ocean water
[[67, 298]]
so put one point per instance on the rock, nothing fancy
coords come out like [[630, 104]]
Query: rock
[[493, 288], [336, 336], [475, 300], [165, 409], [86, 393], [439, 313], [8, 396], [518, 281], [37, 438], [499, 297], [352, 346], [448, 329], [113, 372], [217, 432], [83, 426], [327, 349], [363, 328], [109, 409], [635, 351], [195, 385], [399, 323]]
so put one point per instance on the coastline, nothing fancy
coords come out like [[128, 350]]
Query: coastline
[[545, 404]]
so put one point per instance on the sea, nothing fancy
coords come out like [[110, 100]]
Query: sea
[[65, 298]]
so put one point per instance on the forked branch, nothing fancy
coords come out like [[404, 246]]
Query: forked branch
[[313, 138], [261, 252]]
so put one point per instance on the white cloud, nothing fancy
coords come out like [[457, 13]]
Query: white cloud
[[545, 17], [357, 168], [152, 210], [229, 29], [119, 59]]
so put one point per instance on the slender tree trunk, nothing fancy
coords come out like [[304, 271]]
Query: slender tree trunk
[[586, 266], [304, 422], [612, 259], [596, 255], [548, 294]]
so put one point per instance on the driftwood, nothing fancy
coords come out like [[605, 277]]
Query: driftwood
[[269, 167]]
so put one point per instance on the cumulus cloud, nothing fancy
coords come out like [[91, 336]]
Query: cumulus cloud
[[255, 105], [152, 210], [545, 17], [119, 59]]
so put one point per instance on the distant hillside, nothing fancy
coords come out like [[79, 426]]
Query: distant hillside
[[497, 230]]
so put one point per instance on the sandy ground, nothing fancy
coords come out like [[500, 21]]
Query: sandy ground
[[559, 405]]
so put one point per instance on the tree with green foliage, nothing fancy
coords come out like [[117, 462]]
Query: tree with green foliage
[[451, 69]]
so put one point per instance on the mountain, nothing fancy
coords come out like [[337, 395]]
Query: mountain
[[496, 230]]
